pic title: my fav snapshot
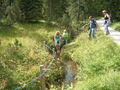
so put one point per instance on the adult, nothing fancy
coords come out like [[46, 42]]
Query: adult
[[107, 21]]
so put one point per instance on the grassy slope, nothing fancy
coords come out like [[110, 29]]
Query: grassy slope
[[98, 62], [116, 26], [21, 64]]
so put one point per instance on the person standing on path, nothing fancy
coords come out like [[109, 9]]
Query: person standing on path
[[107, 21], [92, 26]]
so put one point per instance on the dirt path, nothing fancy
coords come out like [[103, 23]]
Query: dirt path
[[114, 35]]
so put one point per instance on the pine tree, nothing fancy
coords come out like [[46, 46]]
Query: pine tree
[[13, 12], [1, 14], [115, 9], [55, 9], [2, 8], [74, 12], [32, 9]]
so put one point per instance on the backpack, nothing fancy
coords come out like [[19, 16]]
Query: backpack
[[94, 23]]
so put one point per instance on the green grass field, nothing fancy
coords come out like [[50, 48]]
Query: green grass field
[[98, 62], [22, 52]]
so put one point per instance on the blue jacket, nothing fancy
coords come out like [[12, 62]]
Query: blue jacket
[[92, 24]]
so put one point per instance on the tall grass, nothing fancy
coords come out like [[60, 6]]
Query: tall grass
[[22, 51], [98, 62]]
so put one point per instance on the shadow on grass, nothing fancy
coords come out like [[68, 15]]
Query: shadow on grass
[[35, 25], [26, 29], [7, 31]]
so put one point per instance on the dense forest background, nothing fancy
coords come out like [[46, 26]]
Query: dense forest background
[[66, 12]]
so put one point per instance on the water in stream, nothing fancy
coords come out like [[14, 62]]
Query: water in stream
[[70, 72]]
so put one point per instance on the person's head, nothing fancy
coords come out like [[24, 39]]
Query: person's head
[[57, 33], [91, 17], [65, 31], [104, 12]]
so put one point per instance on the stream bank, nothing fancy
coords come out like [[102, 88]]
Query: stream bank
[[61, 75]]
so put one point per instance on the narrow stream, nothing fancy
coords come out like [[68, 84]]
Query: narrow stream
[[70, 72]]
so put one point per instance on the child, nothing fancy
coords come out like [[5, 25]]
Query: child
[[57, 49], [92, 26], [57, 38], [65, 36]]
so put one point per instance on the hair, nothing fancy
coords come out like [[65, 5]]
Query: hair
[[91, 17], [65, 30], [57, 33], [105, 11]]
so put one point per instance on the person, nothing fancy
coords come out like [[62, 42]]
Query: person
[[57, 38], [65, 36], [57, 48], [106, 21], [92, 26]]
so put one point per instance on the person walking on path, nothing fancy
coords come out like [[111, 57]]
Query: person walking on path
[[107, 21], [92, 27]]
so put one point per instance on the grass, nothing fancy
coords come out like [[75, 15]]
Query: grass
[[21, 53], [116, 26], [98, 62]]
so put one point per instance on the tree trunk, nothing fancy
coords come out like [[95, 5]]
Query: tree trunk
[[78, 17]]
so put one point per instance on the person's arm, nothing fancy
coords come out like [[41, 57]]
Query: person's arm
[[108, 18], [54, 38], [67, 36], [97, 26], [61, 36], [103, 17]]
